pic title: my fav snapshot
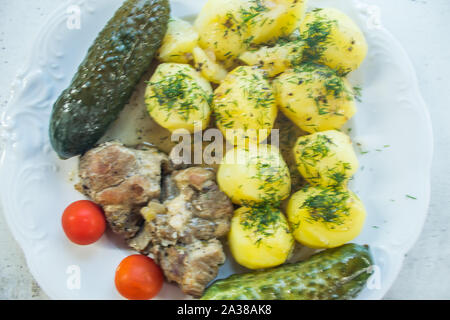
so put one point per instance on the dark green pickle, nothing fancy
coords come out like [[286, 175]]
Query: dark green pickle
[[333, 274], [106, 79]]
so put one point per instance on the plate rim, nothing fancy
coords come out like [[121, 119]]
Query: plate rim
[[20, 80]]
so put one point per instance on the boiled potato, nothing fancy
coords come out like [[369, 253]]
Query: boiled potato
[[177, 97], [333, 39], [315, 98], [260, 237], [229, 27], [325, 217], [254, 175], [205, 62], [326, 158], [244, 106], [179, 42], [218, 31], [275, 60], [278, 18]]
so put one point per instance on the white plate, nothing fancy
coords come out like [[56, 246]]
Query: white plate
[[36, 186]]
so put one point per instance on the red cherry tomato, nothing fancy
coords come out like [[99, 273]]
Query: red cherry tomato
[[83, 222], [138, 278]]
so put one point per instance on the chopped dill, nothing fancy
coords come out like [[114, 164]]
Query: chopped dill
[[338, 177], [316, 36], [264, 220], [333, 86], [273, 174], [178, 93], [329, 206], [249, 40], [313, 151], [357, 93], [258, 94], [247, 15], [338, 174]]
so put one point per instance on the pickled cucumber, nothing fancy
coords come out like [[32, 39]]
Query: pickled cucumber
[[334, 274], [121, 54]]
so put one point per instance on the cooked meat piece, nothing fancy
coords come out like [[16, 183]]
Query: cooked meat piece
[[142, 240], [122, 180], [213, 204], [176, 218], [203, 229], [196, 208], [123, 220], [192, 266], [193, 177], [197, 213]]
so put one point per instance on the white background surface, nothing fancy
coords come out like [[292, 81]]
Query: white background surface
[[422, 26]]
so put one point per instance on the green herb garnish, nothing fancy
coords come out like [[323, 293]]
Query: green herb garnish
[[329, 206]]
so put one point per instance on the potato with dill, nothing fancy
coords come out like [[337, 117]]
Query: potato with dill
[[333, 39], [260, 237], [230, 27], [177, 97], [325, 217], [326, 158], [244, 106], [315, 98], [255, 175], [179, 42], [277, 59]]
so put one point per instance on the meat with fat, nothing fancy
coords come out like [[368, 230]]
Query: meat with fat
[[122, 180], [175, 217]]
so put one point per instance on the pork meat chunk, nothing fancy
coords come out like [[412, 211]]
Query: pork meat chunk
[[122, 180], [184, 235], [196, 208], [176, 217], [192, 266]]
